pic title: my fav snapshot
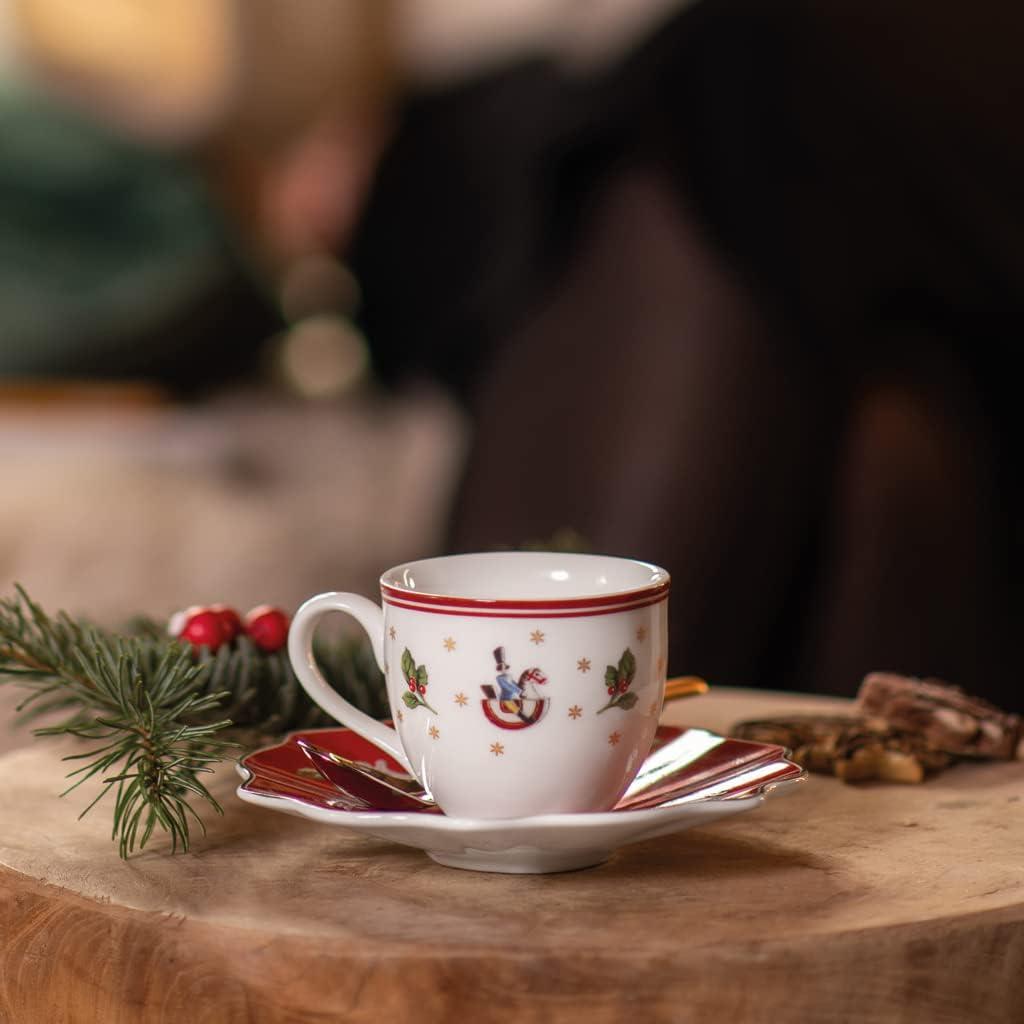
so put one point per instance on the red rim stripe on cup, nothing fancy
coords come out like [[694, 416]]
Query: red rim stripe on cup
[[522, 609], [555, 608]]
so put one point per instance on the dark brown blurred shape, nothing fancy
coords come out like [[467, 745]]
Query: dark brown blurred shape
[[744, 306], [55, 395]]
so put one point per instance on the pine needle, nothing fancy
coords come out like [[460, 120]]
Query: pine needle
[[157, 714]]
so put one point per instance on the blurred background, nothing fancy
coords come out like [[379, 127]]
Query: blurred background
[[293, 291]]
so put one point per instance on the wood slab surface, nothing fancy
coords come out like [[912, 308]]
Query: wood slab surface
[[832, 904]]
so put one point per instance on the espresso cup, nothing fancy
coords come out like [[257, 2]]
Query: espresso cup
[[520, 683]]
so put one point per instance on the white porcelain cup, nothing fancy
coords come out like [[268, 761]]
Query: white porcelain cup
[[520, 683]]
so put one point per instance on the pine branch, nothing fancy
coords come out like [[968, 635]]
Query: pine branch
[[264, 695], [139, 698], [156, 708]]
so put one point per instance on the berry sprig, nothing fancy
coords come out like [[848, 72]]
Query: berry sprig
[[213, 626], [416, 680], [267, 627], [618, 679]]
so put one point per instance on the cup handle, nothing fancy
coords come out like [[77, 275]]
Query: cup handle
[[300, 651]]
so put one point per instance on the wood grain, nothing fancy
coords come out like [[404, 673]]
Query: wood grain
[[833, 904]]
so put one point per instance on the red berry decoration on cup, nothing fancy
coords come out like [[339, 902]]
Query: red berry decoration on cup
[[267, 627], [418, 681], [618, 679]]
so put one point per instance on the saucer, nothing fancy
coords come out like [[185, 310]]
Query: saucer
[[691, 777]]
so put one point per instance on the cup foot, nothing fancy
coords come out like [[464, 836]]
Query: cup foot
[[521, 860]]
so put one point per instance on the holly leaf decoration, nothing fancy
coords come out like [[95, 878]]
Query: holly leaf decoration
[[617, 676], [627, 665], [418, 674], [408, 664]]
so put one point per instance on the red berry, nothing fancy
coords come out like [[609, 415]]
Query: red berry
[[179, 620], [229, 620], [412, 683], [421, 688], [611, 689], [267, 627], [623, 686], [204, 629]]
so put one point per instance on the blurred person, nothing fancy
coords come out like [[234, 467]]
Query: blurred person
[[147, 205], [736, 298]]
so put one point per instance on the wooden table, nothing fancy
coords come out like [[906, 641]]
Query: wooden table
[[833, 904]]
